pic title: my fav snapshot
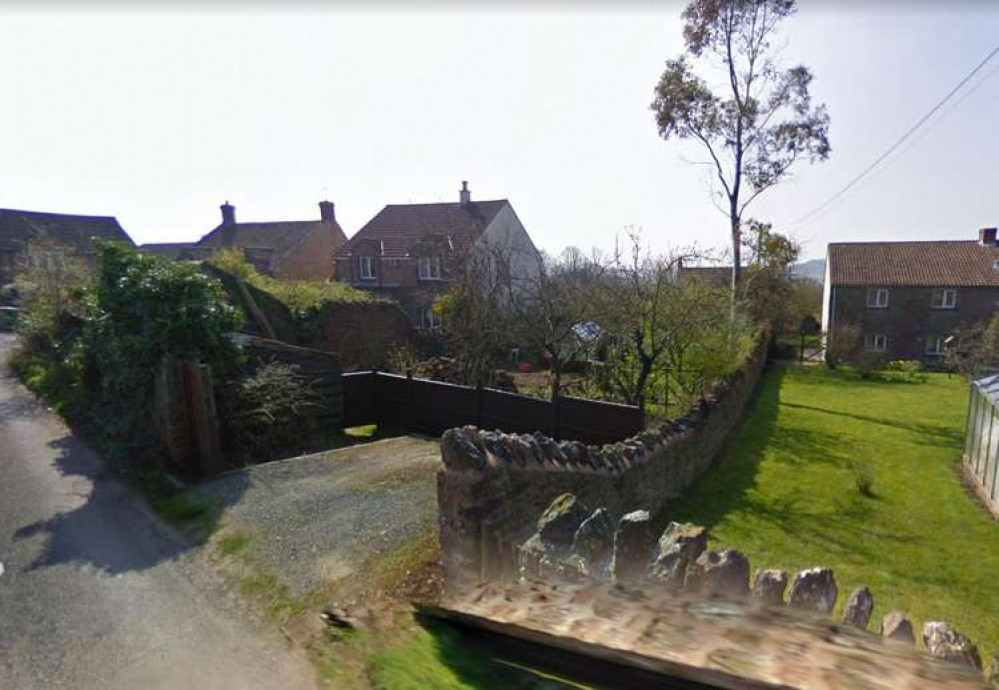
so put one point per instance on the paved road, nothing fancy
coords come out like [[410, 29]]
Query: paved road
[[95, 592]]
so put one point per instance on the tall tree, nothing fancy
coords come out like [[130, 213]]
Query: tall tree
[[757, 125]]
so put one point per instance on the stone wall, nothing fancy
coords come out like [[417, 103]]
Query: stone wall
[[492, 485], [577, 545]]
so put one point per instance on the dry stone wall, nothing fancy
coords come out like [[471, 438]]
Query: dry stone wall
[[680, 561], [493, 485]]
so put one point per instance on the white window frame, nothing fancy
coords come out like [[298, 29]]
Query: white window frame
[[875, 342], [880, 300], [943, 302], [368, 268], [941, 345], [429, 321], [429, 267]]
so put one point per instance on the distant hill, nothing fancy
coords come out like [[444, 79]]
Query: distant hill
[[815, 269]]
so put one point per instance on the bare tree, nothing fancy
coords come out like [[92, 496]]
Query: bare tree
[[641, 309], [760, 123], [554, 311]]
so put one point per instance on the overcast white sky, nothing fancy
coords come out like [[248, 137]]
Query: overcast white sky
[[159, 117]]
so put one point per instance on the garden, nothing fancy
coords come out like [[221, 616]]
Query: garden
[[860, 474]]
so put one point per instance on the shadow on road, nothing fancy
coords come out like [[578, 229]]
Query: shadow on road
[[110, 530]]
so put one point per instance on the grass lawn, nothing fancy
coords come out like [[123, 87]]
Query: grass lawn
[[784, 494]]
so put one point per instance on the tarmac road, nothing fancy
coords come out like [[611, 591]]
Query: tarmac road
[[95, 592]]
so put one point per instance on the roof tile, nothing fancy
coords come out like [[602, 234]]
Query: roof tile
[[914, 264]]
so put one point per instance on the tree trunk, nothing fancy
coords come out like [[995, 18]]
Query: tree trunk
[[736, 257]]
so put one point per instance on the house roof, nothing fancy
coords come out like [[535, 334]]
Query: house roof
[[18, 227], [277, 237], [397, 227], [171, 250], [928, 264]]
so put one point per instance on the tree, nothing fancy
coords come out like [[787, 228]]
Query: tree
[[475, 312], [48, 279], [974, 350], [760, 123], [647, 313], [767, 288]]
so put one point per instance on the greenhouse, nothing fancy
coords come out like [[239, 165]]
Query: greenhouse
[[981, 444]]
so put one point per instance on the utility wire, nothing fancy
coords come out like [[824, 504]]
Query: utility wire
[[898, 142]]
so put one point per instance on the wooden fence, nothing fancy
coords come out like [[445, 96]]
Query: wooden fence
[[431, 407]]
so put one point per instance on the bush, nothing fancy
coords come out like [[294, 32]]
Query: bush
[[863, 476], [266, 414], [905, 370], [842, 344]]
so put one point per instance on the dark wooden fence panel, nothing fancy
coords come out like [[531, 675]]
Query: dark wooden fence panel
[[359, 407], [431, 407], [516, 413], [602, 421]]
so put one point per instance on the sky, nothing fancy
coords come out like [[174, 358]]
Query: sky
[[159, 116]]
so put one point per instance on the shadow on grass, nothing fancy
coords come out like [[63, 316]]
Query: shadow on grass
[[847, 526], [951, 436]]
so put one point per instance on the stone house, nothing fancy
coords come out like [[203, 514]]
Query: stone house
[[407, 251], [287, 250], [908, 298], [76, 233]]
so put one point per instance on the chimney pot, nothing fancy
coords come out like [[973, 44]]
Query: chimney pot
[[228, 214], [987, 237], [327, 211], [465, 196]]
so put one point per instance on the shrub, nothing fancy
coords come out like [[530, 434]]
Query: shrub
[[905, 370], [267, 413], [842, 344], [863, 476]]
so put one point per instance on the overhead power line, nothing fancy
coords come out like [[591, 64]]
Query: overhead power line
[[898, 142]]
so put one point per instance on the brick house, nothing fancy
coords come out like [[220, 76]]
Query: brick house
[[19, 228], [288, 250], [908, 297], [404, 251]]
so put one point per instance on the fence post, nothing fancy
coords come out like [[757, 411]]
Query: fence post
[[478, 404]]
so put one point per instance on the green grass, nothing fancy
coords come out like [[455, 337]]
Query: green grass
[[784, 492], [234, 543]]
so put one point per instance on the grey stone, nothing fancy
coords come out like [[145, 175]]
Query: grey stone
[[770, 585], [633, 547], [458, 452], [859, 607], [594, 540], [530, 556], [895, 626], [720, 572], [679, 546], [944, 642], [558, 524], [813, 590]]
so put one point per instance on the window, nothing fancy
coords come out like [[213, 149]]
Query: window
[[429, 320], [877, 298], [367, 267], [429, 268], [935, 344], [944, 298], [875, 342]]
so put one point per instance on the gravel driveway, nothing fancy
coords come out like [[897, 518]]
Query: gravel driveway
[[317, 518]]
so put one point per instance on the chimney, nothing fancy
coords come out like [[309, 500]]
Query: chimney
[[987, 237], [465, 195], [228, 214], [327, 211]]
